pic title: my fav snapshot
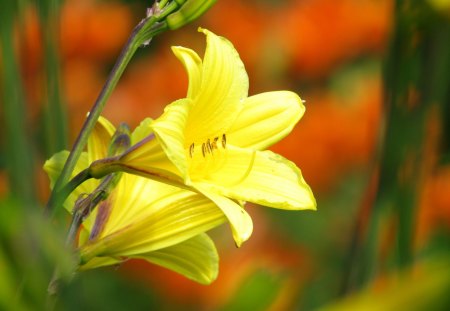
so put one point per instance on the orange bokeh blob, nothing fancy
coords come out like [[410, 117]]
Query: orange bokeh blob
[[335, 135], [320, 34], [265, 251]]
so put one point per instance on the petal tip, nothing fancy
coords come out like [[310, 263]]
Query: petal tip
[[241, 237], [201, 29]]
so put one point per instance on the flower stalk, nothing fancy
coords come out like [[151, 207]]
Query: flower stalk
[[142, 34]]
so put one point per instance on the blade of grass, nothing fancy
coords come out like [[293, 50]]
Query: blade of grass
[[55, 116], [18, 150], [416, 79]]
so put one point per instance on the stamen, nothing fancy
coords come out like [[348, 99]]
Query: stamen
[[191, 150], [214, 143], [224, 141], [203, 149], [209, 147]]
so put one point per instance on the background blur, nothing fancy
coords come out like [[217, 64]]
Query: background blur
[[373, 145]]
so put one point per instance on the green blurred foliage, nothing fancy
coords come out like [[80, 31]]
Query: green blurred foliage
[[256, 293], [343, 253], [30, 249]]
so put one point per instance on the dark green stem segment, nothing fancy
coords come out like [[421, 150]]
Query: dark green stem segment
[[17, 146], [55, 116], [144, 31], [416, 81], [57, 198], [82, 209], [84, 206]]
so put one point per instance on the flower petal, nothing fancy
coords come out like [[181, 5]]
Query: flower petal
[[53, 168], [98, 262], [55, 164], [99, 140], [148, 156], [142, 131], [223, 87], [193, 65], [195, 258], [146, 217], [240, 221], [169, 129], [261, 177], [265, 119]]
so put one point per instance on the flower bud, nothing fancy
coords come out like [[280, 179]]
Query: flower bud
[[120, 141], [188, 12]]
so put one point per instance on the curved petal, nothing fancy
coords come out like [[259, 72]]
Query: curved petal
[[169, 129], [98, 262], [147, 158], [99, 140], [223, 87], [142, 131], [55, 164], [265, 119], [138, 197], [266, 178], [53, 168], [193, 65], [196, 259], [166, 221], [240, 221]]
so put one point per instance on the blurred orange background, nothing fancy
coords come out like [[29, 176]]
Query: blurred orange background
[[330, 52]]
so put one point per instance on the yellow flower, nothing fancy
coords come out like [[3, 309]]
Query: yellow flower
[[212, 140], [142, 218]]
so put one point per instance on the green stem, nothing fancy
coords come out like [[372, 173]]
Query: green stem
[[148, 28], [82, 209], [57, 198], [416, 80], [17, 146], [55, 125]]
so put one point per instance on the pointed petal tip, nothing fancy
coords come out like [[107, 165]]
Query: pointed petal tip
[[175, 48], [241, 237], [201, 29]]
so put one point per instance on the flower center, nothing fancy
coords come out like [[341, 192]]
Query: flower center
[[209, 146]]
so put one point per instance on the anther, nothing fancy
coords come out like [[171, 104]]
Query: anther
[[214, 143], [191, 150], [203, 149], [224, 141], [208, 145]]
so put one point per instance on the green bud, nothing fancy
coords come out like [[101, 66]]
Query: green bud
[[189, 11], [180, 2], [120, 141]]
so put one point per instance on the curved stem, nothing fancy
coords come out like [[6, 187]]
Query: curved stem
[[148, 28], [81, 210], [57, 198]]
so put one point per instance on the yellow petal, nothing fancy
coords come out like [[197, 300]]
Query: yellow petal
[[147, 156], [193, 65], [145, 217], [98, 262], [196, 259], [53, 168], [137, 197], [169, 129], [240, 221], [224, 84], [265, 119], [99, 140], [142, 131], [55, 164], [261, 177]]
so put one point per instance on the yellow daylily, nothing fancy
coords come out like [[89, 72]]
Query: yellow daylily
[[212, 140], [142, 218]]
